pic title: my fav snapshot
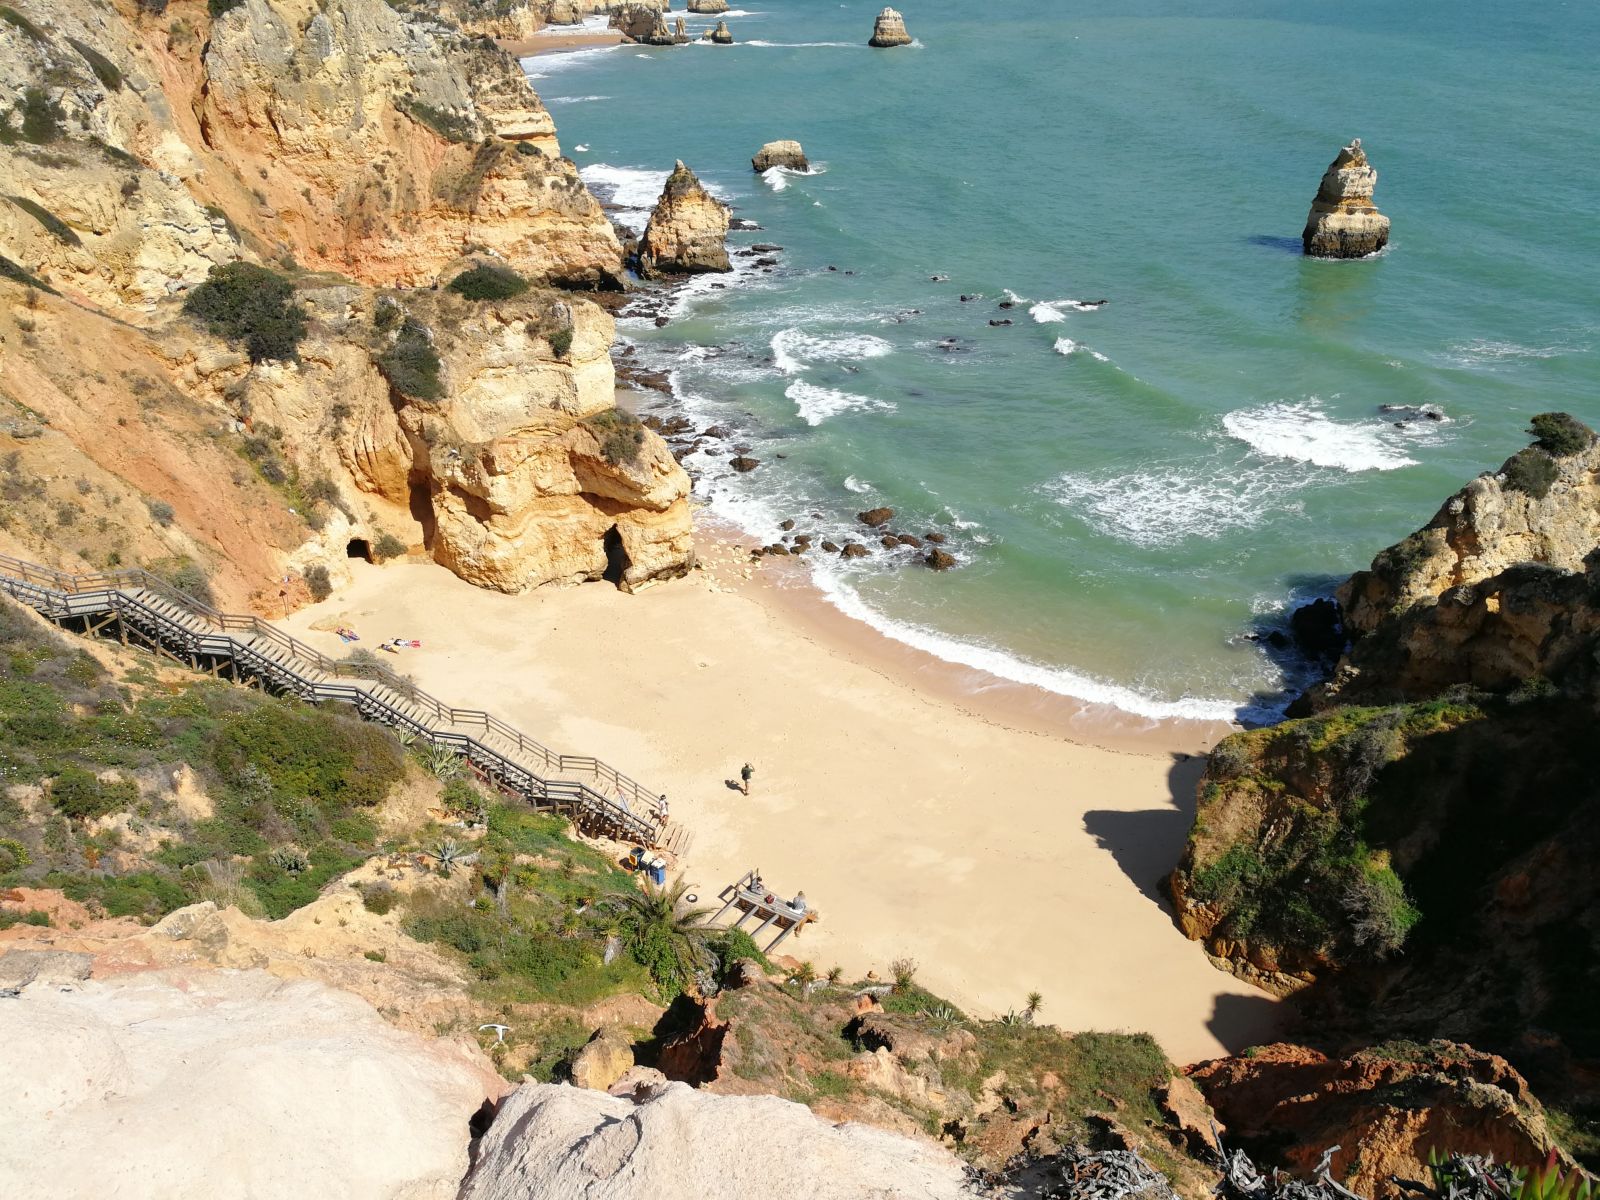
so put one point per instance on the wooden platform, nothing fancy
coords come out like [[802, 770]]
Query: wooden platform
[[752, 898]]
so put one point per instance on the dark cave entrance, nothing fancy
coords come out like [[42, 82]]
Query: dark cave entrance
[[358, 548], [617, 562]]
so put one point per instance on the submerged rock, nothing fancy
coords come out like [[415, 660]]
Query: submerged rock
[[876, 516], [781, 154], [686, 231], [1343, 222], [889, 30]]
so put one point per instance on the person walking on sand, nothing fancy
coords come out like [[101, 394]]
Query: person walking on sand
[[744, 778], [661, 809]]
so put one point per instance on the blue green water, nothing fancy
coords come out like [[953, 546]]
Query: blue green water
[[1132, 489]]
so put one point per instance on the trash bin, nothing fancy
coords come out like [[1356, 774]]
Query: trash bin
[[658, 871]]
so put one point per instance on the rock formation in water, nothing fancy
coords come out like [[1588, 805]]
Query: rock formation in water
[[721, 35], [889, 30], [1343, 221], [687, 230], [681, 1144], [708, 8], [639, 22], [781, 154], [1385, 1109], [193, 1083]]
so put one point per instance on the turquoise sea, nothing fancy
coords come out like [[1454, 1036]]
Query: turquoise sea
[[1132, 489]]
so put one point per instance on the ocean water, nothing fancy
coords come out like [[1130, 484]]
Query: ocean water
[[1133, 488]]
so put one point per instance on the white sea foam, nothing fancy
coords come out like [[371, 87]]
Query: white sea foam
[[1049, 312], [858, 486], [833, 581], [1067, 346], [574, 99], [626, 187], [794, 351], [777, 178], [581, 148], [546, 65], [1166, 506], [1304, 433], [1483, 352], [799, 45], [816, 404], [1016, 299]]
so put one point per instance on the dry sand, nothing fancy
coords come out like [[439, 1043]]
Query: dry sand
[[555, 39], [926, 811]]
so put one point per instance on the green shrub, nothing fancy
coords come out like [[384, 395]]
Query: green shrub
[[56, 227], [1561, 434], [379, 898], [620, 436], [41, 119], [160, 512], [732, 945], [388, 546], [10, 270], [246, 303], [32, 916], [411, 364], [333, 760], [104, 69], [13, 856], [1531, 471], [78, 794], [487, 281], [317, 581], [12, 17], [218, 8], [188, 576], [560, 341], [146, 894], [453, 127]]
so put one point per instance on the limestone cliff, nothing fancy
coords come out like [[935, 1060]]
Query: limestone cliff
[[889, 29], [687, 229], [1343, 222]]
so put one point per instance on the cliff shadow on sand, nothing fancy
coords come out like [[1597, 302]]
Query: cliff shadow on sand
[[1147, 842]]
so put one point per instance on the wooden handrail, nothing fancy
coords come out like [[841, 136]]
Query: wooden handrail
[[119, 587]]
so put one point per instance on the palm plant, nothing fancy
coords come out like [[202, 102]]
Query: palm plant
[[662, 933], [904, 971], [1035, 1003], [835, 974], [805, 975]]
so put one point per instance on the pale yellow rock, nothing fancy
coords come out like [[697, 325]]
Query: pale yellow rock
[[606, 1059], [687, 229], [889, 30], [1343, 222], [785, 153]]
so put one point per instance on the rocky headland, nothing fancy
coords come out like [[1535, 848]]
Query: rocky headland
[[1425, 816], [1344, 223]]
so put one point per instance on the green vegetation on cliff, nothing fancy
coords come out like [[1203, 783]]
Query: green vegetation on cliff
[[253, 306], [282, 794]]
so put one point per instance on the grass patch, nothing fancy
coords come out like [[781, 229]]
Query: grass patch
[[452, 127]]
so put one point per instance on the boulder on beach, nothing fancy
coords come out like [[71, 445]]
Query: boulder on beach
[[686, 231], [722, 35], [1343, 222], [781, 154], [889, 30]]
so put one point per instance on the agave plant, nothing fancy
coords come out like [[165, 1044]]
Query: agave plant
[[443, 763], [449, 854]]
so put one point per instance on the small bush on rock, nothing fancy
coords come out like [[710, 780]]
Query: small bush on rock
[[82, 796], [318, 582], [388, 546], [246, 303], [1531, 471], [620, 435], [487, 281], [1561, 434], [411, 365]]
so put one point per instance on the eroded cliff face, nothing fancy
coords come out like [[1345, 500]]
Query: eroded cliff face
[[390, 144]]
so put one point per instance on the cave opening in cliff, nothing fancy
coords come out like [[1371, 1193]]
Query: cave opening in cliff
[[358, 548], [617, 563]]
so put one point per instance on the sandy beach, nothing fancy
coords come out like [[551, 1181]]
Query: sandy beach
[[556, 38], [1005, 839]]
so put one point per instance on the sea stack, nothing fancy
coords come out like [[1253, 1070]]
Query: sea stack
[[721, 35], [708, 8], [889, 30], [780, 154], [680, 34], [686, 231], [1343, 221]]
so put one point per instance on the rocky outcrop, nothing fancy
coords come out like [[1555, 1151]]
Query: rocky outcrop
[[680, 1144], [889, 30], [721, 35], [394, 158], [1386, 1109], [529, 472], [708, 8], [639, 22], [781, 154], [161, 1085], [1343, 222], [687, 230], [1491, 592], [606, 1058]]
